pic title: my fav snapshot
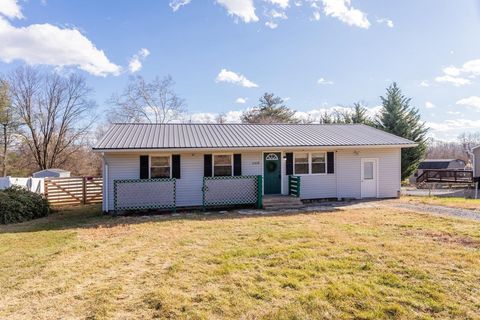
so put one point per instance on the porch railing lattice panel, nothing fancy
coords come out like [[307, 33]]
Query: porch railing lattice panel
[[142, 194], [236, 190]]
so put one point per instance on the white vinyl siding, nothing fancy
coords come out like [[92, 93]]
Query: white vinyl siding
[[348, 168], [476, 163]]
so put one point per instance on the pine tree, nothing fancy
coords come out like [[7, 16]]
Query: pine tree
[[271, 109], [399, 118]]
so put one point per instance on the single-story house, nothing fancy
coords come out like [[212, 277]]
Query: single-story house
[[438, 164], [192, 165], [52, 173]]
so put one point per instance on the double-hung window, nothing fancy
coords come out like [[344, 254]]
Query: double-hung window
[[310, 163], [319, 162], [301, 163], [160, 167], [222, 165]]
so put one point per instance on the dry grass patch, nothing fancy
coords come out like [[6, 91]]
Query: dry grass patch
[[364, 264], [453, 202]]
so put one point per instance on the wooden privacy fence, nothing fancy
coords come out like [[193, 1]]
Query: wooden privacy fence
[[73, 191]]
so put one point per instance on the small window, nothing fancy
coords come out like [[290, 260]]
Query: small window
[[222, 165], [301, 163], [319, 163], [368, 170], [160, 167]]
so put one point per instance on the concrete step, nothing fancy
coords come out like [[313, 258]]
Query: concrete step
[[281, 202]]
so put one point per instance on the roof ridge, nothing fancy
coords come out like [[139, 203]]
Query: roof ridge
[[243, 124]]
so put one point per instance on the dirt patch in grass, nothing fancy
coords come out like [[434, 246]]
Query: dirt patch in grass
[[363, 263]]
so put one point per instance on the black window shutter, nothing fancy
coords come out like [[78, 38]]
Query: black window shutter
[[143, 167], [330, 162], [207, 165], [176, 166], [237, 164], [289, 163]]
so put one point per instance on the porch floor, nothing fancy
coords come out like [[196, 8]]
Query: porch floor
[[279, 202]]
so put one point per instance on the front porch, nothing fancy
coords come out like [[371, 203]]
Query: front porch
[[217, 192]]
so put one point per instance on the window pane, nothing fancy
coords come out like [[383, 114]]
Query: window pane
[[368, 170], [160, 172], [160, 161], [301, 168], [318, 167], [219, 171], [318, 157], [225, 159], [301, 157]]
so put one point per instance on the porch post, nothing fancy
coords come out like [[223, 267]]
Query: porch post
[[259, 192]]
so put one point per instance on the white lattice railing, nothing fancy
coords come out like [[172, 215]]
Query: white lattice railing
[[142, 194]]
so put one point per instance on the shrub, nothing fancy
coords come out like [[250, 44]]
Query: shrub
[[18, 204]]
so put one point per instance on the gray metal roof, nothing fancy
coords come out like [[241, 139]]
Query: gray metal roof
[[187, 136]]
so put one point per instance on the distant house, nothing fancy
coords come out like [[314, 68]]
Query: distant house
[[191, 165], [438, 164], [52, 173]]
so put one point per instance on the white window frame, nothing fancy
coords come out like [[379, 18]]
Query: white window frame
[[310, 164], [150, 164], [213, 163]]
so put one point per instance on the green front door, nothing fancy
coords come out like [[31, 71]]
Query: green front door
[[272, 173]]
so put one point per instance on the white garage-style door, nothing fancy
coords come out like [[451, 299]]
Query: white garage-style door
[[369, 178]]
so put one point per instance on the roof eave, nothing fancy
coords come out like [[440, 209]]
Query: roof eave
[[263, 148]]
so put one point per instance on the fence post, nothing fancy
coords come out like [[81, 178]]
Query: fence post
[[289, 185], [84, 190], [259, 192]]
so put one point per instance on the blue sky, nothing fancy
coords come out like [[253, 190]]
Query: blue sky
[[317, 54]]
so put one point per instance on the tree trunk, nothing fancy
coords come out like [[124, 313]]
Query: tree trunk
[[5, 145]]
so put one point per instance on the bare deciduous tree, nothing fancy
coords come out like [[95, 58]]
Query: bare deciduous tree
[[55, 112], [7, 122], [142, 101]]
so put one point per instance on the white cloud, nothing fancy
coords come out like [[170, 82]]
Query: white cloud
[[460, 76], [209, 117], [50, 45], [281, 3], [451, 71], [429, 105], [452, 125], [342, 10], [243, 9], [135, 63], [424, 83], [454, 113], [241, 100], [324, 81], [316, 16], [271, 24], [473, 101], [177, 4], [388, 22], [456, 81], [10, 9], [234, 78]]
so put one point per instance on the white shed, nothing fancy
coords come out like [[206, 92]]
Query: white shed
[[52, 173], [476, 161]]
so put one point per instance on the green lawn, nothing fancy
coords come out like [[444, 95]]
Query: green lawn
[[363, 264]]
